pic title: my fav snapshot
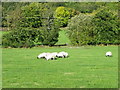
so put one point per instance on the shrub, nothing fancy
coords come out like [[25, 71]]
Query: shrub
[[80, 30], [106, 27], [21, 38], [49, 32], [63, 14]]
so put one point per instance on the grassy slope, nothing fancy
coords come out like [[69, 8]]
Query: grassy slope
[[63, 39], [87, 67]]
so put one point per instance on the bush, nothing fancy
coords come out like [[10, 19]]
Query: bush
[[50, 32], [80, 30], [21, 38], [106, 27], [63, 14], [94, 29]]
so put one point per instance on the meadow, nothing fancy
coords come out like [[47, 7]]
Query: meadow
[[86, 67]]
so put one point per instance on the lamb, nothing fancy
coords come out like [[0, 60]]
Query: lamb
[[109, 54]]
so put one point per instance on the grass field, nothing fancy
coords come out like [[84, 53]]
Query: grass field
[[63, 39], [87, 67]]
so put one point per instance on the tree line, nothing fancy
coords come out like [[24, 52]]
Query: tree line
[[40, 22]]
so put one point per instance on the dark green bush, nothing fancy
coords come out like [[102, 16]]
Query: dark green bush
[[21, 38], [101, 28], [106, 27]]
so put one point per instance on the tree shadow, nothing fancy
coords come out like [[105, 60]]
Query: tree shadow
[[59, 45]]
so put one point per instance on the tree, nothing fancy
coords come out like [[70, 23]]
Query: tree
[[80, 30], [63, 14], [106, 27], [50, 30], [39, 18]]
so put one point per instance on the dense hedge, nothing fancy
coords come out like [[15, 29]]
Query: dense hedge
[[21, 38], [100, 28], [106, 27]]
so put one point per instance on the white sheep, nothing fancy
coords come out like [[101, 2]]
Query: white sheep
[[42, 55], [65, 54], [50, 56], [60, 55], [55, 54], [108, 54]]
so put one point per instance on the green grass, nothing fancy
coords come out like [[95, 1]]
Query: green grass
[[87, 67], [63, 39]]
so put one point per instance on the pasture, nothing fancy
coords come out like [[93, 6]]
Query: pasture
[[87, 67]]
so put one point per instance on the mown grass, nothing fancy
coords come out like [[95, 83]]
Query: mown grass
[[63, 38], [87, 67]]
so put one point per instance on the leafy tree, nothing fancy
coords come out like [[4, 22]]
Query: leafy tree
[[83, 7], [106, 27], [63, 14], [22, 37], [31, 15], [80, 30], [49, 31], [10, 13], [40, 15]]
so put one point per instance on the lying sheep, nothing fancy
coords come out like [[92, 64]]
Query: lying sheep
[[42, 55], [62, 54], [50, 56], [65, 54], [109, 54], [53, 56]]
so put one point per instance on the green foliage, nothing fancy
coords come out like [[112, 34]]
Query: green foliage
[[80, 30], [90, 29], [106, 27], [11, 13], [21, 38], [31, 15], [83, 7], [49, 31], [63, 14]]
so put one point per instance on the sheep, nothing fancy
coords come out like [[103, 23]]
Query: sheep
[[42, 55], [55, 54], [62, 54], [109, 54], [65, 54], [50, 56]]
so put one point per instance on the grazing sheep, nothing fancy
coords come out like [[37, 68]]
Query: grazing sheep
[[42, 55], [50, 56], [60, 55], [53, 56], [109, 54], [54, 53], [64, 54]]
